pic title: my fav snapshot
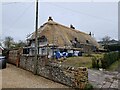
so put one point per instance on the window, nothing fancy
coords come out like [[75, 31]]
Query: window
[[87, 41]]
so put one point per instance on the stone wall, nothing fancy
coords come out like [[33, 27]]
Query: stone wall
[[14, 56], [73, 77]]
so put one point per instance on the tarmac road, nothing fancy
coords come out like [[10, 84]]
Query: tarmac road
[[13, 77]]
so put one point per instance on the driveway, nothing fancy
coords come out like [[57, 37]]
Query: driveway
[[103, 79]]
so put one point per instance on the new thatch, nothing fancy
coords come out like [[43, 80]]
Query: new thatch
[[61, 35]]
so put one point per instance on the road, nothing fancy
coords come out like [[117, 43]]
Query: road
[[13, 77]]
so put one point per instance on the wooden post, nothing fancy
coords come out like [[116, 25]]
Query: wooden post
[[36, 40]]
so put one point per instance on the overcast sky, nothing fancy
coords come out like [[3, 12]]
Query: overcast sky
[[100, 18]]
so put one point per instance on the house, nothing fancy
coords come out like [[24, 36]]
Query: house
[[1, 49], [53, 36]]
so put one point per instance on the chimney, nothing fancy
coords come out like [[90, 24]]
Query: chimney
[[50, 18], [71, 26], [90, 34]]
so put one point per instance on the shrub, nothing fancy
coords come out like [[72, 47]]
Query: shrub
[[88, 87], [109, 58], [95, 62], [115, 47]]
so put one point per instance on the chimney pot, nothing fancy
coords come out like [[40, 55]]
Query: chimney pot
[[50, 19], [71, 26]]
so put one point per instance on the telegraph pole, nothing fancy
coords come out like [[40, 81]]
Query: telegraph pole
[[36, 40]]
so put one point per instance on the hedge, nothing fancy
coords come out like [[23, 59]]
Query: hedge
[[114, 47], [106, 61], [109, 58]]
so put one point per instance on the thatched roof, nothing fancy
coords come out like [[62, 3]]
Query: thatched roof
[[61, 35]]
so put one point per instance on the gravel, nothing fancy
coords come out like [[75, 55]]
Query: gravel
[[13, 77]]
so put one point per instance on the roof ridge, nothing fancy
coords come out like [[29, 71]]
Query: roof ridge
[[55, 23]]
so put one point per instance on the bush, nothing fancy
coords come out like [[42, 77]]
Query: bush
[[109, 58], [115, 47], [95, 62], [119, 55], [88, 87]]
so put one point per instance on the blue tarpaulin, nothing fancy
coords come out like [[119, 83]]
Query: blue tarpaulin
[[58, 55]]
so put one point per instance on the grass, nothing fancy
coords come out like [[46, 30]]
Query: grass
[[86, 61], [98, 55], [78, 62]]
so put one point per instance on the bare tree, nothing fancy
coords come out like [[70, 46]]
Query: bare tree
[[20, 44], [106, 40], [8, 42]]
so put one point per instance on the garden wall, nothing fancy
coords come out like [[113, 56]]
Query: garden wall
[[14, 56], [73, 77]]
